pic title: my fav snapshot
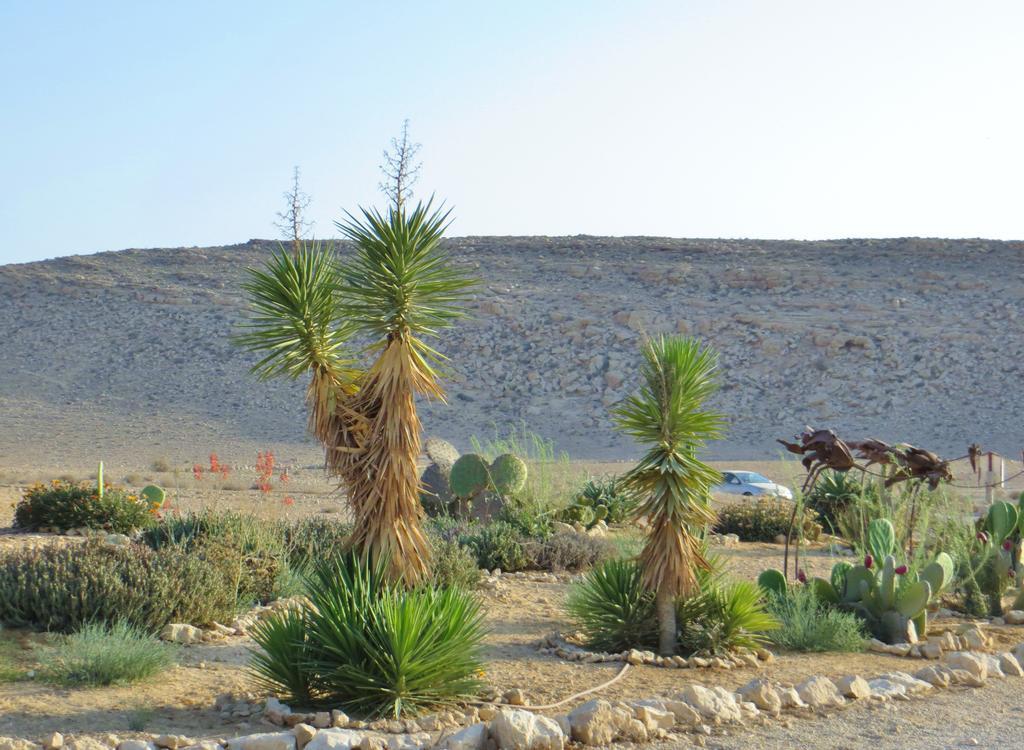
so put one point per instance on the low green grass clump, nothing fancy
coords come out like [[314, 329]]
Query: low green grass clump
[[100, 654], [808, 625]]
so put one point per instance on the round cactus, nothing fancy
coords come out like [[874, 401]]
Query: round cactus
[[153, 495], [600, 512], [469, 475], [508, 474]]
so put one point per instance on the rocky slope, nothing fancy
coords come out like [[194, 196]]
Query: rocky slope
[[127, 353]]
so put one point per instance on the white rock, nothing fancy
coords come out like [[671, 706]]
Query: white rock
[[135, 745], [655, 718], [16, 743], [790, 698], [179, 632], [595, 723], [263, 741], [339, 718], [710, 703], [819, 692], [992, 662], [473, 737], [884, 690], [1009, 665], [334, 739], [854, 686], [684, 712], [55, 741], [969, 662], [1014, 617], [516, 729], [935, 675], [912, 684], [761, 693], [303, 734]]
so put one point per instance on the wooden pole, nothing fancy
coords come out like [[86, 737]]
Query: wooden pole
[[989, 475]]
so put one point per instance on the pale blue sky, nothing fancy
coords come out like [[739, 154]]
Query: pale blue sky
[[138, 124]]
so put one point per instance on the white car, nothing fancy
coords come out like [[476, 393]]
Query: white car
[[750, 483]]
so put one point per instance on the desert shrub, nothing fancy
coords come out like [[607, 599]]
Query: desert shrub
[[453, 564], [62, 587], [805, 624], [758, 521], [253, 552], [616, 611], [100, 654], [311, 539], [572, 551], [66, 505], [502, 545], [372, 647]]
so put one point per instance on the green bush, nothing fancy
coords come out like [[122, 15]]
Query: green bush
[[312, 539], [66, 505], [63, 587], [371, 647], [805, 624], [834, 494], [616, 611], [759, 520], [106, 655], [608, 493]]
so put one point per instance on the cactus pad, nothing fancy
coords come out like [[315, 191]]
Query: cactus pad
[[914, 597], [1001, 521], [881, 538], [469, 475], [508, 474], [773, 581], [153, 495]]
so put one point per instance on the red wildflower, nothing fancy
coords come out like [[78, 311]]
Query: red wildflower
[[288, 501], [197, 471]]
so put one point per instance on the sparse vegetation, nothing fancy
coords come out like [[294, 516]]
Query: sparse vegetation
[[806, 624]]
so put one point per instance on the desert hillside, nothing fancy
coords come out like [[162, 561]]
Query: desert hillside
[[125, 355]]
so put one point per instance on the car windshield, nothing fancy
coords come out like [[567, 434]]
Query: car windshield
[[750, 477]]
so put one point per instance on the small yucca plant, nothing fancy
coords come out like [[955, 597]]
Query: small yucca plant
[[613, 608], [372, 646]]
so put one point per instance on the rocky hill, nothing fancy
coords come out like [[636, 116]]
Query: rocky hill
[[127, 353]]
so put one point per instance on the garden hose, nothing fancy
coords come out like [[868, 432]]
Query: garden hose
[[572, 697]]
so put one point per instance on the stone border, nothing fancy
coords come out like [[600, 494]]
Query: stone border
[[556, 644], [693, 710]]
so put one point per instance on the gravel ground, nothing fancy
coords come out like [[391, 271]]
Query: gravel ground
[[989, 717]]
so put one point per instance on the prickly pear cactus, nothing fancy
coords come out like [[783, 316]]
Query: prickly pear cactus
[[1001, 521], [508, 474], [153, 495], [773, 581], [470, 476], [881, 538]]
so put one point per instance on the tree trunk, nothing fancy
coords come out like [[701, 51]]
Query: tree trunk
[[665, 602]]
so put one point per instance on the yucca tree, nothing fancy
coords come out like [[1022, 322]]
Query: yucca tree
[[397, 290], [672, 484]]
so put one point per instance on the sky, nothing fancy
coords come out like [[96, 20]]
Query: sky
[[128, 124]]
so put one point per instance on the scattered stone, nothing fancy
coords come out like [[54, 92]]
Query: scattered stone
[[471, 738], [339, 718], [333, 739], [934, 675], [181, 633], [711, 703], [595, 723], [135, 745], [1009, 665], [264, 741], [54, 741], [819, 692], [515, 729], [790, 698], [912, 684], [968, 662], [761, 693], [1014, 617], [885, 690], [303, 734], [514, 697], [854, 686]]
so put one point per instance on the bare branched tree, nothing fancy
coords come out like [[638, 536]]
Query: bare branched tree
[[293, 224], [400, 169]]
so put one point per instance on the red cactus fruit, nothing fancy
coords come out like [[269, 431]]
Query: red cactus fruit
[[868, 561], [900, 570]]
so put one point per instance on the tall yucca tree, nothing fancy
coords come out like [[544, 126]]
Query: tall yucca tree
[[674, 486], [397, 290]]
